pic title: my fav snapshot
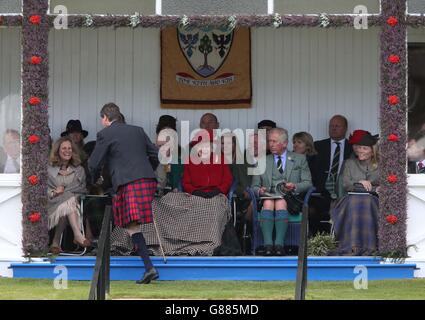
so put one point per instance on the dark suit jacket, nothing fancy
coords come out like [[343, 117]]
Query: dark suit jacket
[[322, 163], [127, 150], [3, 158], [411, 167]]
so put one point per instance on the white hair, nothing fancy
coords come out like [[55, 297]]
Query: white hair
[[283, 133]]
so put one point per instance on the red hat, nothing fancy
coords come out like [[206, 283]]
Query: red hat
[[357, 136]]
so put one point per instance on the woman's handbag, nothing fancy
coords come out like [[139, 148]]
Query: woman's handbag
[[293, 201]]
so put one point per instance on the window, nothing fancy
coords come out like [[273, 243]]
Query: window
[[218, 7], [327, 6], [416, 6], [10, 100], [10, 6], [416, 107], [145, 7]]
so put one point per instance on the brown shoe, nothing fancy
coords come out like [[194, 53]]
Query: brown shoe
[[85, 244], [55, 250]]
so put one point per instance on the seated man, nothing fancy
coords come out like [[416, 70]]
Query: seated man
[[416, 153], [10, 154], [282, 166]]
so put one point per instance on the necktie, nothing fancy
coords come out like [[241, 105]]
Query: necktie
[[335, 160], [280, 164], [421, 167]]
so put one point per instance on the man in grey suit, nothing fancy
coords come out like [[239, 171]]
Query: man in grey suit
[[281, 166]]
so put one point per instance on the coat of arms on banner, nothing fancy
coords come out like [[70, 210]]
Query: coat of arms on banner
[[205, 68]]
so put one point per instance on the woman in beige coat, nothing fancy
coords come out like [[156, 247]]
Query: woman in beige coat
[[66, 181]]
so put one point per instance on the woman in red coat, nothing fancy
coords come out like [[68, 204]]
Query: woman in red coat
[[206, 175]]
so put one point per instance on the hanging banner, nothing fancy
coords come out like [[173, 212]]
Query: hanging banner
[[205, 68]]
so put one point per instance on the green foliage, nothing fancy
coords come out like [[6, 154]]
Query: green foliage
[[321, 245]]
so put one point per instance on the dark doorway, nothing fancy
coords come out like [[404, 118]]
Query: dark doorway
[[416, 88]]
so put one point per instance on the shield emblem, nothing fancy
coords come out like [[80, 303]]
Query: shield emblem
[[205, 49]]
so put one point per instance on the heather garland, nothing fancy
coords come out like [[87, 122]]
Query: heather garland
[[35, 126], [35, 27], [393, 108]]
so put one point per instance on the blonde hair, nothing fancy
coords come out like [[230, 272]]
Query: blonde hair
[[375, 156], [54, 157], [306, 138]]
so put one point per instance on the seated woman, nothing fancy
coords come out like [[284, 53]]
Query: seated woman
[[192, 222], [169, 172], [355, 215], [208, 175], [66, 181]]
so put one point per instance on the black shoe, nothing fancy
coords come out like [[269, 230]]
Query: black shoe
[[150, 275], [279, 251], [268, 251]]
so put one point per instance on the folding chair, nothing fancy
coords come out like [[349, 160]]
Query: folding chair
[[83, 198], [292, 237]]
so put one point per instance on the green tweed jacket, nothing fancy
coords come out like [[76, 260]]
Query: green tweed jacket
[[296, 171]]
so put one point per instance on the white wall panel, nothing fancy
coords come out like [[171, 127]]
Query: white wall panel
[[300, 78]]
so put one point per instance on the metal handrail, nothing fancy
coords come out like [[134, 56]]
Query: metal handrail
[[301, 282], [100, 284]]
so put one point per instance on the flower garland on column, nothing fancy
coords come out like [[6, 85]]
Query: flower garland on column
[[393, 196], [35, 126]]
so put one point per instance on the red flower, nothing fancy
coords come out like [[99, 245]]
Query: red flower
[[393, 137], [33, 179], [35, 19], [34, 217], [394, 59], [392, 21], [33, 139], [393, 100], [34, 101], [392, 219], [392, 178], [35, 60]]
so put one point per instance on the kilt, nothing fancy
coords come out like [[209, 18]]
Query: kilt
[[133, 202], [355, 219]]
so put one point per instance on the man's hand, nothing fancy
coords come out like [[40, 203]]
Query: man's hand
[[262, 190], [290, 186]]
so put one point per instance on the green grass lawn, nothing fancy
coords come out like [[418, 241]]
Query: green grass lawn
[[30, 289]]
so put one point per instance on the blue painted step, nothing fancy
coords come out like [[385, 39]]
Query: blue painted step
[[221, 268], [218, 260]]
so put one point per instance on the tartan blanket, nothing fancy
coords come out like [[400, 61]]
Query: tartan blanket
[[355, 221], [187, 225]]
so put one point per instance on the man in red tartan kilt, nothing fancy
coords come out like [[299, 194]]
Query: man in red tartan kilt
[[126, 150]]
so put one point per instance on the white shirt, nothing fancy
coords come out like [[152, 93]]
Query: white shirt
[[283, 157], [341, 153], [10, 167]]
